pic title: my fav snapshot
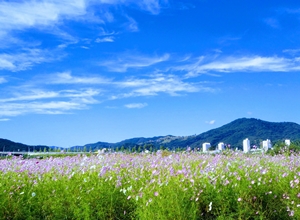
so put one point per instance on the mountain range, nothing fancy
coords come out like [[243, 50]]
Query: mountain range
[[233, 133]]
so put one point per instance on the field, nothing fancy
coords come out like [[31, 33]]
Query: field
[[161, 185]]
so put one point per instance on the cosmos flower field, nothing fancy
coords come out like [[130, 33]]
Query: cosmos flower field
[[185, 185]]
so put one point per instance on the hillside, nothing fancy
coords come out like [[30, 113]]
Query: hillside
[[255, 130], [7, 145], [232, 133]]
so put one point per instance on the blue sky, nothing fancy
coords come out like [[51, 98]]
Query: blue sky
[[82, 71]]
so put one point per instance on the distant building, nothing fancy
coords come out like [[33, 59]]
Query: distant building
[[287, 142], [266, 145], [246, 145], [221, 146], [205, 146]]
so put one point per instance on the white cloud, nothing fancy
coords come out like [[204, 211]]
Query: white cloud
[[272, 22], [35, 94], [239, 64], [156, 84], [210, 122], [152, 6], [52, 107], [136, 105], [4, 119], [105, 39], [68, 78], [51, 17], [131, 25], [125, 61], [21, 15], [47, 102], [26, 59], [292, 52], [2, 79], [26, 14]]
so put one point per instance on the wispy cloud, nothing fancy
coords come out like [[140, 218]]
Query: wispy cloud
[[127, 60], [26, 59], [50, 17], [68, 78], [2, 80], [53, 107], [35, 94], [64, 92], [210, 122], [292, 52], [272, 22], [131, 24], [226, 40], [153, 6], [136, 105], [105, 39], [4, 119], [24, 14], [46, 102], [227, 64], [150, 85], [21, 15], [158, 84]]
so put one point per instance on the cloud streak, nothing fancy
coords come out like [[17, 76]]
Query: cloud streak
[[230, 64], [26, 59], [50, 18], [136, 105], [126, 61], [47, 102], [21, 15], [68, 78], [63, 93], [158, 84], [211, 122], [25, 14], [2, 80], [105, 40]]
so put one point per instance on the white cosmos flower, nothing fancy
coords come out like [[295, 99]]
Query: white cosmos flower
[[210, 206]]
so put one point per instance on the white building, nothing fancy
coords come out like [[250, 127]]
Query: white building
[[246, 145], [287, 142], [266, 145], [221, 146], [205, 146]]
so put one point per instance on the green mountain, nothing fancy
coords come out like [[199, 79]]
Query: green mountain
[[10, 146], [232, 133], [254, 129]]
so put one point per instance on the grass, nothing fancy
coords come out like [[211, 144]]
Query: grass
[[151, 186]]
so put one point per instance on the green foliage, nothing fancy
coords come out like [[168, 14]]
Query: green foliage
[[162, 185], [281, 148], [80, 197]]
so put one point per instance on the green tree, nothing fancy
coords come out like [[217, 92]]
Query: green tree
[[133, 149], [122, 148], [162, 147]]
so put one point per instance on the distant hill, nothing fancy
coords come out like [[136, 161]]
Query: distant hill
[[7, 145], [255, 130], [233, 133]]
